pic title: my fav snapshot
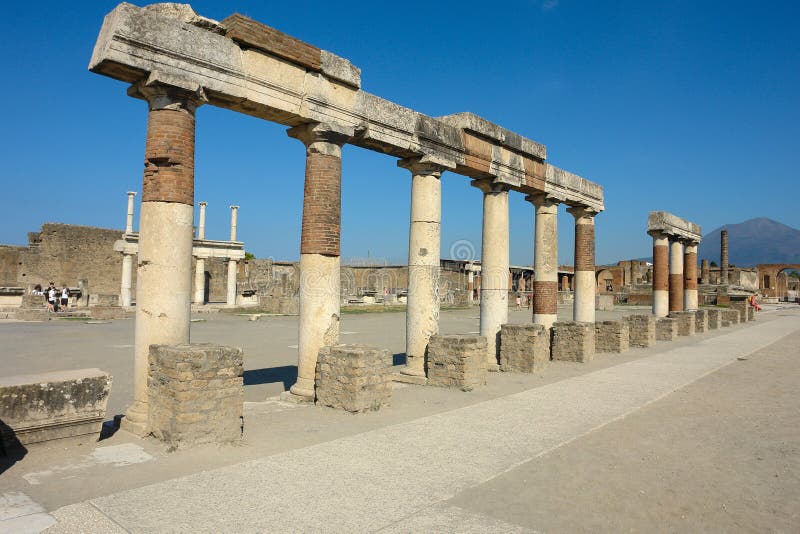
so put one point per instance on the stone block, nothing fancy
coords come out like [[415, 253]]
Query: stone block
[[731, 317], [751, 313], [573, 341], [524, 348], [604, 302], [611, 336], [666, 329], [642, 330], [354, 378], [46, 406], [741, 306], [195, 394], [701, 321], [457, 361], [33, 301], [714, 318], [686, 322]]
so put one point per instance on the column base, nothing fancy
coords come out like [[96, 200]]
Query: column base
[[492, 367], [409, 379], [303, 388], [288, 396], [135, 419]]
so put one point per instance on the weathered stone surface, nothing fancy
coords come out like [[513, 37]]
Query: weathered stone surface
[[46, 406], [666, 329], [731, 317], [642, 330], [573, 341], [714, 318], [524, 348], [661, 221], [195, 394], [741, 306], [611, 336], [686, 322], [751, 313], [354, 378], [701, 321], [457, 361], [604, 302]]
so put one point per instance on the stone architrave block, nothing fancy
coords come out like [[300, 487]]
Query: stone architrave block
[[46, 406], [611, 336], [701, 321], [353, 378], [195, 393], [666, 329], [686, 322], [457, 361], [524, 348], [714, 318], [642, 330], [573, 341]]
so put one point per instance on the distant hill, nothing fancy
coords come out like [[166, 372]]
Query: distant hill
[[760, 240]]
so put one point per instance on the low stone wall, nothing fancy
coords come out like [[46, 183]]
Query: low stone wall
[[457, 361], [730, 317], [714, 318], [354, 378], [524, 348], [642, 330], [573, 341], [604, 302], [611, 336], [99, 299], [666, 329], [741, 306], [110, 312], [33, 301], [195, 394], [686, 322], [701, 321], [46, 406]]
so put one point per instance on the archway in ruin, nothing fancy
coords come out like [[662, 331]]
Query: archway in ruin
[[772, 281], [605, 281]]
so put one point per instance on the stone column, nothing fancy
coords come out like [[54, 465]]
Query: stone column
[[494, 266], [232, 265], [675, 275], [545, 260], [200, 263], [201, 227], [470, 285], [704, 272], [723, 257], [319, 248], [690, 276], [234, 212], [660, 274], [585, 285], [564, 283], [129, 217], [424, 244], [163, 288], [127, 277]]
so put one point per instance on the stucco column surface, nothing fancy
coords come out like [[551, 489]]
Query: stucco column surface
[[129, 215], [424, 248], [585, 286], [127, 280], [201, 226], [494, 266], [690, 276], [545, 260], [675, 275], [230, 299], [200, 281], [660, 274], [319, 248], [163, 289]]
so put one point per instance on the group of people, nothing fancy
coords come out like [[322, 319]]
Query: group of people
[[55, 298]]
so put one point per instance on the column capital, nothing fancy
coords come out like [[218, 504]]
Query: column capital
[[423, 165], [168, 92], [544, 200], [131, 193], [582, 212], [488, 185], [233, 206], [657, 234], [202, 203], [324, 138]]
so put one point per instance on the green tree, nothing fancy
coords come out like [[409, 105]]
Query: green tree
[[249, 256]]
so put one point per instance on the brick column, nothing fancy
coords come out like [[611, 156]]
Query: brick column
[[494, 266], [704, 272], [163, 287], [690, 276], [564, 283], [230, 299], [319, 248], [660, 274], [424, 244], [545, 260], [585, 285], [675, 275], [723, 257]]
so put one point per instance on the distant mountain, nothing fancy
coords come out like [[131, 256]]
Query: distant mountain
[[760, 240]]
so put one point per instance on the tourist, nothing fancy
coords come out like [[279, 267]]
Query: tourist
[[519, 302], [754, 303], [65, 297], [51, 298], [37, 290]]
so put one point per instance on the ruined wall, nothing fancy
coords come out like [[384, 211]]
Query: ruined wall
[[9, 265]]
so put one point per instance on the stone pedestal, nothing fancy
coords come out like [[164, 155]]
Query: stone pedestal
[[457, 361], [196, 394], [354, 378], [666, 329], [714, 318], [701, 321], [573, 341], [751, 313], [686, 322], [611, 336], [524, 348], [642, 330], [741, 306], [731, 317]]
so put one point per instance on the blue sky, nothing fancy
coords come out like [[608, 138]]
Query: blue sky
[[684, 106]]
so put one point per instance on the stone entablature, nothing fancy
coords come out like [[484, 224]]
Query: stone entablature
[[262, 72], [674, 226], [201, 248]]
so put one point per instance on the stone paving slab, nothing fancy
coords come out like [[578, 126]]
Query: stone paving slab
[[394, 476]]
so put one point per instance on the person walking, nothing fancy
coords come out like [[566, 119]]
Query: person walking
[[51, 298], [65, 297]]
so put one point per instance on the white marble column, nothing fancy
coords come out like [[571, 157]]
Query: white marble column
[[200, 263], [232, 264], [585, 285], [675, 275], [545, 260], [126, 282], [129, 217], [201, 227]]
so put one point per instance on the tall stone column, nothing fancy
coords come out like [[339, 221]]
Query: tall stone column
[[470, 285], [545, 260], [163, 288], [494, 265], [319, 248], [723, 257], [127, 280], [675, 275], [585, 286], [424, 245], [564, 283], [690, 276], [129, 216], [200, 263], [704, 272], [660, 274], [232, 265], [201, 227]]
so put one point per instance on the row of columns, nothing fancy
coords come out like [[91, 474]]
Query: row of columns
[[674, 274]]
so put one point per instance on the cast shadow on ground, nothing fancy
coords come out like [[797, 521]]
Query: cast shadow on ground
[[399, 358], [11, 450], [286, 374], [110, 427]]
